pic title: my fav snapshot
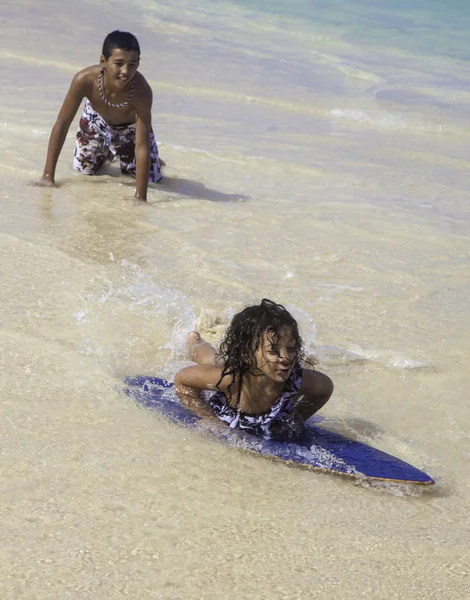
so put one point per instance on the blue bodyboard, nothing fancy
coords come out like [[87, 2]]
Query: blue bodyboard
[[316, 448]]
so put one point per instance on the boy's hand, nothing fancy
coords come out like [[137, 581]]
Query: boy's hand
[[45, 181]]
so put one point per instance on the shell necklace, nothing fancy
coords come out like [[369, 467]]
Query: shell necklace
[[100, 89]]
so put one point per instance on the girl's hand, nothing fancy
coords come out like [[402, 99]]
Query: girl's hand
[[290, 429], [294, 425]]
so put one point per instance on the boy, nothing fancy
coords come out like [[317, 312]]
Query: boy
[[116, 119]]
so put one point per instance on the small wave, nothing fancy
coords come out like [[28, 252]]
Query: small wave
[[405, 363], [127, 325], [387, 121], [389, 359], [332, 356]]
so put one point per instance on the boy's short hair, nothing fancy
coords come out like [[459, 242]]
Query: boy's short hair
[[122, 40]]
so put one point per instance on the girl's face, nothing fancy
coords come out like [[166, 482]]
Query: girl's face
[[276, 357]]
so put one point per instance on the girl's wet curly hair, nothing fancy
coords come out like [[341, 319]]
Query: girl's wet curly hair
[[244, 335]]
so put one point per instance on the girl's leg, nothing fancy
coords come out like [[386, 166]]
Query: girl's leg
[[199, 350]]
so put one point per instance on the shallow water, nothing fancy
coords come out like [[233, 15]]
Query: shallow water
[[317, 156]]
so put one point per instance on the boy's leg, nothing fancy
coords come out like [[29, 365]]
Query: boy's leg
[[125, 148], [155, 174], [91, 150], [200, 351]]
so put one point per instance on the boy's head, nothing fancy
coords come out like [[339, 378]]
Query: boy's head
[[121, 40]]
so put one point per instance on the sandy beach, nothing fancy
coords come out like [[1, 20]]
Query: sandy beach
[[322, 163]]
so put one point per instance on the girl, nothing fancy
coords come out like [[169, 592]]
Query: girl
[[259, 384]]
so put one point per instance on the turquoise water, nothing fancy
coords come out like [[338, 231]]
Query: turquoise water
[[423, 26]]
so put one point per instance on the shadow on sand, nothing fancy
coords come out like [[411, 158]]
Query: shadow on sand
[[178, 187], [195, 190]]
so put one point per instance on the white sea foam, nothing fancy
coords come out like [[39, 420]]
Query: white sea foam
[[388, 358], [395, 122]]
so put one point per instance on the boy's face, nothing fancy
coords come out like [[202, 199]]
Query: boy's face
[[120, 67]]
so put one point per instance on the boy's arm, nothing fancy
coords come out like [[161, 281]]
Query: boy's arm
[[142, 142], [65, 117]]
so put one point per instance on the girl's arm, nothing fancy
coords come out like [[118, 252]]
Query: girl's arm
[[316, 389], [191, 381]]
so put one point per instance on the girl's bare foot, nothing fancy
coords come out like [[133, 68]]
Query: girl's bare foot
[[199, 350], [194, 337]]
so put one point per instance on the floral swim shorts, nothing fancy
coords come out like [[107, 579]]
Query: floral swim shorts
[[98, 141]]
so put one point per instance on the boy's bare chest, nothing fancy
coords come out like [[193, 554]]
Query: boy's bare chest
[[123, 115]]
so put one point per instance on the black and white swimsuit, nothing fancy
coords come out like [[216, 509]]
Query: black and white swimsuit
[[265, 424]]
